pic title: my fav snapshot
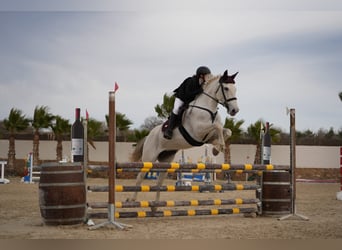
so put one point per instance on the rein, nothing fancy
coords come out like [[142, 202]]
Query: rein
[[225, 103], [212, 114]]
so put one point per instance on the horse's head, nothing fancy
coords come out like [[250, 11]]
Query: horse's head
[[226, 93]]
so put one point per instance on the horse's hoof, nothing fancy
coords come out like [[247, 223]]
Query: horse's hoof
[[215, 152], [250, 215]]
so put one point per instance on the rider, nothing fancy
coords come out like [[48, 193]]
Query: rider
[[186, 93]]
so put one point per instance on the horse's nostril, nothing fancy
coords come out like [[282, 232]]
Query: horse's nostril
[[233, 112]]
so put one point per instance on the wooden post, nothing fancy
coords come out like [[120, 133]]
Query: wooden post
[[85, 149], [293, 167], [339, 194], [111, 173]]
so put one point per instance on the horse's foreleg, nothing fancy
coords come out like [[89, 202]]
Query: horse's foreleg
[[226, 134], [219, 144]]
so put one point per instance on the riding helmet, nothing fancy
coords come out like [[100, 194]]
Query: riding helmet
[[203, 70]]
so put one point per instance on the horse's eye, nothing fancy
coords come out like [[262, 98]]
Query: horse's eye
[[226, 88]]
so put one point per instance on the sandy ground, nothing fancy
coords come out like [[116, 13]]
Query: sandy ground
[[20, 217]]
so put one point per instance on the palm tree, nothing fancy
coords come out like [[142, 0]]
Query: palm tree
[[41, 119], [140, 134], [15, 122], [253, 131], [60, 128], [122, 122], [164, 110], [235, 127], [94, 129]]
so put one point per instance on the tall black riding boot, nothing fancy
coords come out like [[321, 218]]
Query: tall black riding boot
[[172, 123]]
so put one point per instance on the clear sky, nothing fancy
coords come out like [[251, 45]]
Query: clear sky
[[64, 54]]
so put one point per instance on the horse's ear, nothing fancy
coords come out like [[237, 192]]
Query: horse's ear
[[225, 73], [233, 76]]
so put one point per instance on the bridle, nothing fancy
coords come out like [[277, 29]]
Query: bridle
[[225, 103], [226, 100]]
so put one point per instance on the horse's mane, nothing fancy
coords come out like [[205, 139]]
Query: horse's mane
[[211, 79]]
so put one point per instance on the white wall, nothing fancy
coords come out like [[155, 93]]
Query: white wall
[[307, 156], [318, 156]]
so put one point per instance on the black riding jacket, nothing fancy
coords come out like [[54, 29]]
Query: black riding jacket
[[189, 89]]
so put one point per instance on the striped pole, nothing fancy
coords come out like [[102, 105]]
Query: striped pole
[[172, 203], [195, 171], [147, 166], [171, 188], [168, 213]]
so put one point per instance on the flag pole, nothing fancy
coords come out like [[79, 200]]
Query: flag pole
[[293, 213], [112, 165]]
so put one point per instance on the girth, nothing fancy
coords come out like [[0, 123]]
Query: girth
[[188, 137], [186, 134]]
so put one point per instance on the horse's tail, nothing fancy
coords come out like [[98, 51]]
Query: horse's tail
[[137, 153]]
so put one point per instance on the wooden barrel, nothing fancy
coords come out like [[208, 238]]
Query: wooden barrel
[[276, 193], [62, 193]]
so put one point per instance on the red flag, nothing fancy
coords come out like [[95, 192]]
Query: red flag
[[87, 115], [116, 87]]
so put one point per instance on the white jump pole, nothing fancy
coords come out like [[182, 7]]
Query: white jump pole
[[3, 180], [31, 167]]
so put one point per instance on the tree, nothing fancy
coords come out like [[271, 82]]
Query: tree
[[306, 137], [139, 134], [60, 128], [253, 131], [122, 122], [41, 119], [151, 122], [164, 110], [235, 127], [339, 133], [94, 129], [15, 122]]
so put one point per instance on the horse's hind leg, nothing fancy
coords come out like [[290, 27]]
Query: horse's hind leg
[[223, 135], [161, 178], [140, 178], [165, 156]]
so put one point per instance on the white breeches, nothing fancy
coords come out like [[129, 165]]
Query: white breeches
[[178, 103]]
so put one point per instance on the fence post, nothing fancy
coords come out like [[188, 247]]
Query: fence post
[[339, 194], [111, 158], [293, 167]]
